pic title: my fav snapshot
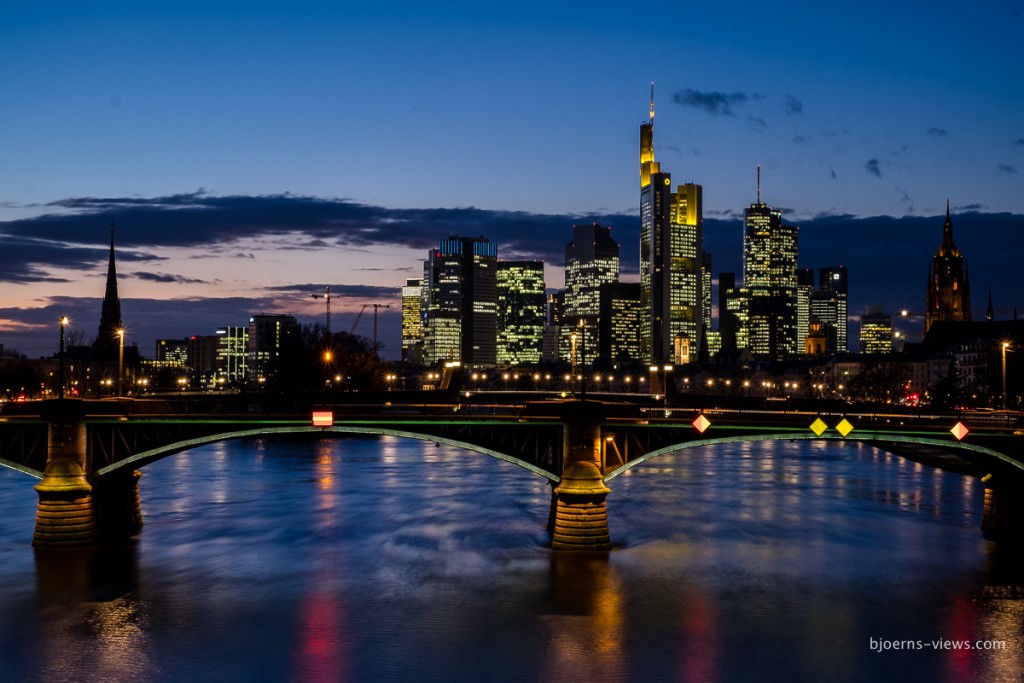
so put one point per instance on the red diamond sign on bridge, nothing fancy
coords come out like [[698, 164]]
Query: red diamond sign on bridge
[[959, 431], [701, 423]]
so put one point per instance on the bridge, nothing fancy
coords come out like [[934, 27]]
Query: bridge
[[88, 454]]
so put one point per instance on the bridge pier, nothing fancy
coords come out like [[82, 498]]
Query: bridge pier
[[580, 516], [64, 514], [117, 504], [1003, 516]]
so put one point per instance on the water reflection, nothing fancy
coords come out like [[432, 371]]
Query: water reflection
[[584, 633], [389, 559]]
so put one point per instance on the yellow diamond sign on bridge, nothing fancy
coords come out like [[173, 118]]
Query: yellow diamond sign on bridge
[[818, 427], [701, 423], [844, 428], [959, 431]]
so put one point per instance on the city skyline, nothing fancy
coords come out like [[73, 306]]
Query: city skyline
[[95, 140]]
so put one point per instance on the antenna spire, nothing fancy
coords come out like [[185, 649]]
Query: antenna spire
[[759, 183], [652, 102]]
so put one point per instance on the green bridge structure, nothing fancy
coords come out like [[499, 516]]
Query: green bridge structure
[[88, 453]]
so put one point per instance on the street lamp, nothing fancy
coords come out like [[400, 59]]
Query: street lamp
[[1005, 347], [63, 323], [120, 362]]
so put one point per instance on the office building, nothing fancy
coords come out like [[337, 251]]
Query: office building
[[769, 274], [619, 323], [270, 338], [875, 331], [232, 353], [460, 302], [412, 322], [674, 271], [522, 312]]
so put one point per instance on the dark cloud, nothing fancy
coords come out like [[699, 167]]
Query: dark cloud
[[339, 291], [872, 168], [1006, 168], [28, 259], [166, 277], [793, 105], [937, 132], [714, 103], [757, 123], [292, 222], [1018, 142]]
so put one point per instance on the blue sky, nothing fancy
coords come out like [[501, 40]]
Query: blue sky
[[853, 110]]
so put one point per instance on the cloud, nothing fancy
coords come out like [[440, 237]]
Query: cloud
[[166, 277], [236, 224], [1006, 168], [793, 105], [757, 123], [338, 291], [1019, 142], [872, 168], [714, 103], [937, 132]]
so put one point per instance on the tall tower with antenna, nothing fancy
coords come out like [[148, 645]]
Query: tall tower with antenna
[[671, 260]]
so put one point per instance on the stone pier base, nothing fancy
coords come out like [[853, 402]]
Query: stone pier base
[[117, 504], [64, 515], [580, 519], [1003, 517]]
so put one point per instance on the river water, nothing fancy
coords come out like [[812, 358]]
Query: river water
[[385, 559]]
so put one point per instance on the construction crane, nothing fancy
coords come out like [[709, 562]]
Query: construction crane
[[359, 316], [326, 295]]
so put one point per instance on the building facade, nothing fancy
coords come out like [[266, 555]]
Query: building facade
[[522, 310], [460, 302]]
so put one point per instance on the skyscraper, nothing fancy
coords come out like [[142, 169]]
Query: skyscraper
[[619, 323], [591, 260], [769, 273], [460, 301], [412, 322], [949, 287], [522, 305], [833, 288], [673, 267]]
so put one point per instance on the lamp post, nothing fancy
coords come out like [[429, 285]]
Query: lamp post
[[120, 362], [1005, 345], [63, 323]]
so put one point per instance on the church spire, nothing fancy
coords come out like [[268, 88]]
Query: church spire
[[110, 316], [989, 312]]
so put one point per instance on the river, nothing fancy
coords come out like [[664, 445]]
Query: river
[[386, 559]]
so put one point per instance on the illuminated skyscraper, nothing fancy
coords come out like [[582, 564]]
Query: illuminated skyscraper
[[619, 326], [829, 305], [591, 260], [769, 273], [412, 322], [673, 272], [460, 302], [949, 287], [232, 353], [804, 290], [875, 331], [522, 311]]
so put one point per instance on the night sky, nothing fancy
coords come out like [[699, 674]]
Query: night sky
[[250, 157]]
